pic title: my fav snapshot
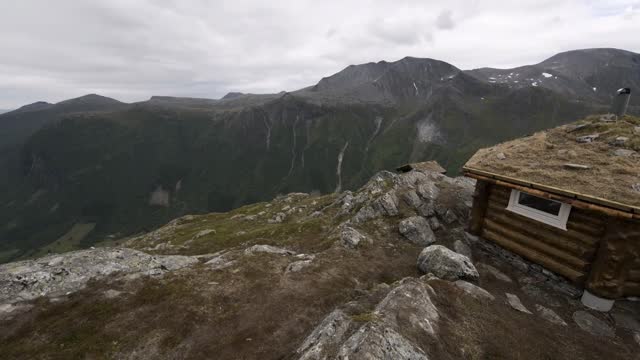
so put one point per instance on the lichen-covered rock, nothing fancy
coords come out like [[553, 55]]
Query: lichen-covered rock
[[297, 266], [268, 249], [550, 315], [61, 274], [428, 190], [474, 290], [351, 237], [417, 230], [407, 309], [446, 264], [324, 337], [388, 204], [494, 272], [462, 248], [374, 341], [412, 199], [514, 301]]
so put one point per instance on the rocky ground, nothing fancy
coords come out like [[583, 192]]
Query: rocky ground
[[384, 272]]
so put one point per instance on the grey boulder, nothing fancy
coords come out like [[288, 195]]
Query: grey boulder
[[417, 230], [446, 264]]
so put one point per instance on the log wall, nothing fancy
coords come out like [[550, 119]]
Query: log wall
[[616, 270], [568, 253]]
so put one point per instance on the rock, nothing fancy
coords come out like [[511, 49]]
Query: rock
[[587, 138], [434, 224], [324, 337], [494, 272], [514, 301], [427, 209], [550, 315], [501, 156], [112, 294], [219, 262], [592, 324], [428, 190], [278, 218], [446, 264], [624, 152], [462, 248], [55, 261], [636, 336], [636, 130], [636, 187], [29, 279], [364, 214], [608, 118], [316, 214], [450, 217], [351, 237], [417, 230], [389, 203], [412, 199], [576, 166], [267, 249], [626, 321], [297, 266], [250, 217], [374, 341], [204, 233], [619, 141], [407, 309], [473, 290]]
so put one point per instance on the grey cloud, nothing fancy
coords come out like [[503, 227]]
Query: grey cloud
[[132, 49], [444, 20]]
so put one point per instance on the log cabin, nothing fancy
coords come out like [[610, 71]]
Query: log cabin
[[567, 199]]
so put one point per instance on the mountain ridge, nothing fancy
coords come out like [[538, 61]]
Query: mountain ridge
[[126, 168]]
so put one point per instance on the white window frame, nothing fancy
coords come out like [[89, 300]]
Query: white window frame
[[559, 221]]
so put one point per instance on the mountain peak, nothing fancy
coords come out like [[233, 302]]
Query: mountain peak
[[232, 95], [91, 99]]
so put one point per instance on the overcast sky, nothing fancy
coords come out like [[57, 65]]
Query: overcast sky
[[132, 49]]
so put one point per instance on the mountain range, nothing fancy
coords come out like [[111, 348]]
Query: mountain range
[[93, 168]]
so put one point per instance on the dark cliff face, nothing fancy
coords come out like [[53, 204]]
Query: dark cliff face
[[129, 168]]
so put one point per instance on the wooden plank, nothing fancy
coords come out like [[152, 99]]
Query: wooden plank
[[479, 208], [564, 192], [549, 263], [523, 221], [632, 288], [574, 202], [538, 246], [634, 275], [563, 243]]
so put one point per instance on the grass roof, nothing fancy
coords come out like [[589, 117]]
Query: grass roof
[[594, 157]]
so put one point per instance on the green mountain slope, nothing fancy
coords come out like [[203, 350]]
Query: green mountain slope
[[129, 167]]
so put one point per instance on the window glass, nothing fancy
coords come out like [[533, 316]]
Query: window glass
[[548, 206]]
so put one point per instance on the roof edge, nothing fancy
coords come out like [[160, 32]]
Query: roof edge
[[557, 191]]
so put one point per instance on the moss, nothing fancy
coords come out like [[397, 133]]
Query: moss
[[364, 317]]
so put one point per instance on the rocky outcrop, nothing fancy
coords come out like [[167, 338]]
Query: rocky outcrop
[[58, 275], [446, 264], [325, 337], [417, 230], [406, 313]]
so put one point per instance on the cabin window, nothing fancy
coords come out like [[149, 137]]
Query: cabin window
[[550, 212]]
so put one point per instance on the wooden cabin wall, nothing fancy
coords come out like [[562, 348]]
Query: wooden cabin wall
[[616, 270], [566, 252]]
